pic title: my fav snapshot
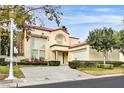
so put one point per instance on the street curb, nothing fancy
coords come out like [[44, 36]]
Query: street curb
[[61, 81], [112, 75]]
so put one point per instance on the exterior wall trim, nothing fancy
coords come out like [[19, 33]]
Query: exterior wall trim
[[39, 36], [59, 45], [77, 49], [73, 37], [79, 45]]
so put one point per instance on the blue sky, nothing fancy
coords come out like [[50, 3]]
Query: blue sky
[[79, 20]]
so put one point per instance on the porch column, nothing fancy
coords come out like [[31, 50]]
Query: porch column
[[56, 55]]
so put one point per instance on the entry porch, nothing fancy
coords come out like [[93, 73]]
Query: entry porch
[[61, 56]]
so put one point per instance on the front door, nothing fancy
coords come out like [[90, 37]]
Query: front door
[[61, 58]]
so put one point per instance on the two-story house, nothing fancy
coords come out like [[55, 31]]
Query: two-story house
[[48, 44], [57, 44]]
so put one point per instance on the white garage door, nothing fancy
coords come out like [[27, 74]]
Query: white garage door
[[79, 55]]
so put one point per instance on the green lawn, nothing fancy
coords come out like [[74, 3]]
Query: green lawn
[[100, 71], [4, 70]]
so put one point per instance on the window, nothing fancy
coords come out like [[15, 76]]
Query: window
[[35, 54], [41, 44], [42, 55], [38, 48], [60, 39], [35, 43]]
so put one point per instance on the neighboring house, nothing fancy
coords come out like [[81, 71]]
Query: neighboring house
[[57, 44]]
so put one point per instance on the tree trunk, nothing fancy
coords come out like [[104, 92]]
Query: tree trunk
[[105, 56]]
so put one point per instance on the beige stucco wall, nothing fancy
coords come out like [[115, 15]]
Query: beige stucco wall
[[59, 48], [39, 32], [52, 41], [73, 41], [111, 56], [27, 48], [121, 56], [49, 51], [53, 34], [84, 48], [92, 54], [28, 44], [66, 58], [88, 52]]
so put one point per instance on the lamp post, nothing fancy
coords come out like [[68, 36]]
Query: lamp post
[[11, 72]]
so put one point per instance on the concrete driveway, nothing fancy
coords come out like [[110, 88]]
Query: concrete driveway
[[52, 74]]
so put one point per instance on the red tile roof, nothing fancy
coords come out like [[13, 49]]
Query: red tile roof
[[74, 37], [78, 45], [46, 28]]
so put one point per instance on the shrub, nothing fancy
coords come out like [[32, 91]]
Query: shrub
[[115, 63], [105, 66], [74, 64], [33, 63], [37, 62], [23, 63], [98, 65], [88, 64], [2, 62], [122, 65], [54, 63], [91, 63]]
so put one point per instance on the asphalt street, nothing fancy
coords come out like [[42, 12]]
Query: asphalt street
[[108, 82]]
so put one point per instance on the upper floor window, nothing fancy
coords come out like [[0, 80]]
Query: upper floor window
[[38, 43], [60, 39]]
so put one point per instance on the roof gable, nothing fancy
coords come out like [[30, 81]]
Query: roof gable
[[46, 28]]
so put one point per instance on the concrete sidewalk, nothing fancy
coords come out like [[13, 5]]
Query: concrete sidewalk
[[5, 83], [10, 83]]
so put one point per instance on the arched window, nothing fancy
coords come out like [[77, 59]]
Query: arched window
[[60, 39]]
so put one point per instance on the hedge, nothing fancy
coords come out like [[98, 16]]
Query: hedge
[[122, 65], [105, 66], [53, 63], [32, 63], [78, 63], [74, 65], [36, 62]]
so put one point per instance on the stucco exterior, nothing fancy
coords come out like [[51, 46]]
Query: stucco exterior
[[91, 54], [57, 44], [53, 50]]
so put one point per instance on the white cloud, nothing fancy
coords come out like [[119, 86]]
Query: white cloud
[[82, 19], [103, 9]]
